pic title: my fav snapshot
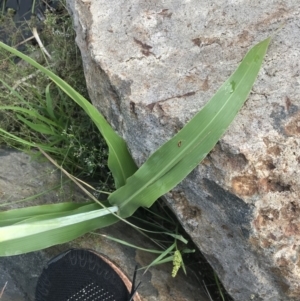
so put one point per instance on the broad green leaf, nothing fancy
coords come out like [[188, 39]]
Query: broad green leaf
[[172, 162], [12, 216], [120, 161], [45, 230], [56, 236]]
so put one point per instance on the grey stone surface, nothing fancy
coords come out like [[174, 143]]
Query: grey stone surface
[[151, 65], [8, 287], [22, 177]]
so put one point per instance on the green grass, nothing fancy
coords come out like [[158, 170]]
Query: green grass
[[82, 155]]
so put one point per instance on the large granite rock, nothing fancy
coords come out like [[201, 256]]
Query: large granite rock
[[20, 179], [151, 65]]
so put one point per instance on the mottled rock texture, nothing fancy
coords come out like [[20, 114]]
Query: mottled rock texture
[[151, 65], [21, 178]]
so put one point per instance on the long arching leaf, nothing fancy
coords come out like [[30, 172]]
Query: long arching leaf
[[173, 161], [34, 228]]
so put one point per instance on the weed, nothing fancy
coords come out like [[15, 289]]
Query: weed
[[48, 120]]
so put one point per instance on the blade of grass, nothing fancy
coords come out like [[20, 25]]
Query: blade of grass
[[28, 143], [49, 103], [161, 257], [122, 242], [31, 113], [164, 260], [219, 286], [38, 127]]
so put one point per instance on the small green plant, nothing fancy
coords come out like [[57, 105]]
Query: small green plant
[[28, 229], [37, 113]]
